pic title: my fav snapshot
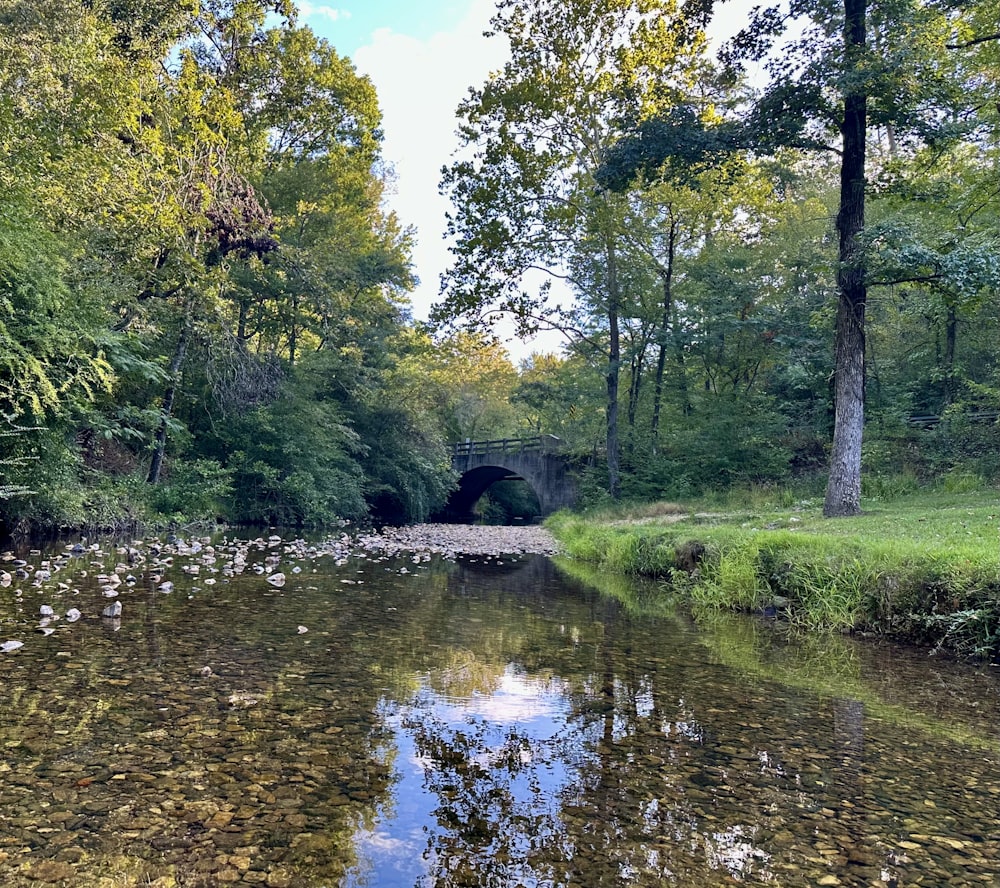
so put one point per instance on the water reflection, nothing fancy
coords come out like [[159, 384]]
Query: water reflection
[[464, 771], [488, 723]]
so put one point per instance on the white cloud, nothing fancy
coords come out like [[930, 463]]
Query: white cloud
[[420, 84], [310, 10]]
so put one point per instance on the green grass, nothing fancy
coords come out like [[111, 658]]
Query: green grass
[[925, 567]]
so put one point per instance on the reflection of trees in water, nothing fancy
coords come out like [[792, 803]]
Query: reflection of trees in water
[[640, 811], [492, 816], [659, 765], [525, 576], [621, 793], [654, 775], [462, 674]]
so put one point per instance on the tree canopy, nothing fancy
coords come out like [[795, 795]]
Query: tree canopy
[[204, 307]]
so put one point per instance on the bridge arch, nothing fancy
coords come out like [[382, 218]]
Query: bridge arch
[[537, 461]]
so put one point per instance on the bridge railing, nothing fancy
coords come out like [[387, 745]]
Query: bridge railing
[[974, 416], [507, 446]]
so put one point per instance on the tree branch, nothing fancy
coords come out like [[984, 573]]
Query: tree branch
[[974, 42], [914, 279]]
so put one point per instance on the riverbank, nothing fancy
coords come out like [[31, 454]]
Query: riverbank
[[924, 569]]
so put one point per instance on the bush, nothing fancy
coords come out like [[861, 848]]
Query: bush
[[192, 491]]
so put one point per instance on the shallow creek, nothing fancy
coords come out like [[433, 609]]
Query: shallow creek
[[269, 712]]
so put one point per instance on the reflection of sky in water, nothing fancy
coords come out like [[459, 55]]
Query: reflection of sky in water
[[531, 704], [394, 851]]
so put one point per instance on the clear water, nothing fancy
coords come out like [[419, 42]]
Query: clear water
[[391, 722]]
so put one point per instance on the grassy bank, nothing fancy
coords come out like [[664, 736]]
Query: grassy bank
[[924, 568]]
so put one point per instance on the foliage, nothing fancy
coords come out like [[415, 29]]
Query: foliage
[[855, 67], [192, 207], [526, 202], [193, 490], [508, 502], [203, 308], [464, 381]]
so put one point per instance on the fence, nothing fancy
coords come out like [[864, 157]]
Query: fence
[[507, 446]]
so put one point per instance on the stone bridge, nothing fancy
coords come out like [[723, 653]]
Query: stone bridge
[[538, 461]]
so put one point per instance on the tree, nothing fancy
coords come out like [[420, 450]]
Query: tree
[[56, 102], [464, 381], [860, 64], [526, 206], [561, 396], [291, 249]]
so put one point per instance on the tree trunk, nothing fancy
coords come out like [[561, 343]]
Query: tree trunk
[[614, 368], [241, 324], [950, 339], [636, 365], [667, 277], [843, 492], [156, 464]]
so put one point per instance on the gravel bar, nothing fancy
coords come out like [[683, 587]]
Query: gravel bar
[[452, 540]]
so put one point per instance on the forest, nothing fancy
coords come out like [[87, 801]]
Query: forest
[[775, 263]]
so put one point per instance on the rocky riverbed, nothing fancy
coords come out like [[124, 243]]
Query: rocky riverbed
[[295, 713], [87, 581], [172, 715]]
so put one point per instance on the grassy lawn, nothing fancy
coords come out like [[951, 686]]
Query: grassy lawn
[[925, 567], [932, 519]]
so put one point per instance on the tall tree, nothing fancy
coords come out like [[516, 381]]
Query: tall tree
[[535, 133], [843, 492]]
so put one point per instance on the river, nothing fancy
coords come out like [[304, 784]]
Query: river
[[270, 712]]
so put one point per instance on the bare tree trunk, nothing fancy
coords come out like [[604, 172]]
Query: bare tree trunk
[[160, 439], [843, 492]]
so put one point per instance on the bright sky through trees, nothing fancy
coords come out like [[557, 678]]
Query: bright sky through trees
[[422, 57]]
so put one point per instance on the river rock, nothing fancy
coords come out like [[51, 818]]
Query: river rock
[[52, 872]]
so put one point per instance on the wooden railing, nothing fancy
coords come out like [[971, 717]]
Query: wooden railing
[[507, 446], [929, 422]]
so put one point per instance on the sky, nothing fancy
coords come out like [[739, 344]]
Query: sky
[[423, 56]]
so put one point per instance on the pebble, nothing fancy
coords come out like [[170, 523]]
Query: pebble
[[52, 872]]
